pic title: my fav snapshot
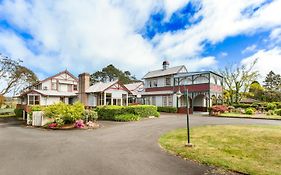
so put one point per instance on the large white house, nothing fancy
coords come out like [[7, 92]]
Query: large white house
[[60, 87], [162, 86]]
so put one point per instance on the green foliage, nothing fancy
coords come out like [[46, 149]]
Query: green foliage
[[59, 122], [126, 117], [111, 73], [37, 108], [250, 111], [90, 115], [168, 109], [277, 112], [19, 113], [272, 81], [244, 106], [271, 106], [68, 113], [109, 112]]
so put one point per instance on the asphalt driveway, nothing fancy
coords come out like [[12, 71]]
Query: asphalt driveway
[[119, 149]]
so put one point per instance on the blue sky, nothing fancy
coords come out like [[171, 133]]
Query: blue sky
[[84, 36]]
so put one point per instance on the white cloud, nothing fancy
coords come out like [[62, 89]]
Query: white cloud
[[267, 60], [223, 54], [275, 35], [249, 49], [88, 35], [220, 20]]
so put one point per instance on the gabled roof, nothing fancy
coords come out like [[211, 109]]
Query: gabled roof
[[51, 93], [62, 72], [164, 72], [100, 86], [135, 88]]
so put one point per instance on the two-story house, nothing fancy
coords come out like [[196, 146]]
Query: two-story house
[[60, 87], [161, 88]]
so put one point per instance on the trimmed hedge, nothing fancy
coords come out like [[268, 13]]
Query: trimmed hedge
[[110, 112], [126, 117], [18, 113], [168, 109]]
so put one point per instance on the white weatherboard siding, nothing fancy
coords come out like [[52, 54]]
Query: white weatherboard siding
[[116, 93]]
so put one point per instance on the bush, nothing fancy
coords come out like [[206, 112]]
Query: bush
[[271, 106], [79, 124], [219, 108], [90, 115], [245, 106], [277, 112], [168, 109], [249, 111], [270, 112], [126, 117], [109, 112], [68, 113], [278, 105], [18, 113]]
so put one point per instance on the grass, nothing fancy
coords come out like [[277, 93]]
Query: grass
[[262, 116], [7, 113], [246, 149]]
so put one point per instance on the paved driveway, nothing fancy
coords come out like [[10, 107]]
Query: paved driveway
[[122, 149]]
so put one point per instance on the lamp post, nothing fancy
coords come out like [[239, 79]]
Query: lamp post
[[179, 94]]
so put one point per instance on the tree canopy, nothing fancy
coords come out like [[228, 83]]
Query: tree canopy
[[272, 81], [237, 80], [111, 73], [13, 76]]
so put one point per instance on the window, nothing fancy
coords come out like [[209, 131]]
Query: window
[[75, 87], [150, 84], [54, 86], [69, 88], [108, 98], [170, 100], [168, 81], [155, 83], [33, 100], [153, 100], [164, 100], [124, 99]]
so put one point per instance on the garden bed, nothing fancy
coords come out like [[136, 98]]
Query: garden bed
[[254, 116], [245, 149]]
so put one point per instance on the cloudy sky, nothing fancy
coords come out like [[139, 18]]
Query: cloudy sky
[[137, 35]]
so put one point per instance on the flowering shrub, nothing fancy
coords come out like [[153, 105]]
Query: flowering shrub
[[52, 125], [90, 124], [79, 124], [68, 113], [250, 111], [219, 108]]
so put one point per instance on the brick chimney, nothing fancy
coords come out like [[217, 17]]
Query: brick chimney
[[84, 84]]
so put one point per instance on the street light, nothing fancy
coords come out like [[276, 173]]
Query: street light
[[179, 94]]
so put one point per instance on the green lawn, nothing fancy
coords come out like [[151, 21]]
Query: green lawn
[[7, 113], [247, 149], [229, 114]]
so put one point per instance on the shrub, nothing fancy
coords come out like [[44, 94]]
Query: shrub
[[168, 109], [126, 117], [277, 112], [90, 124], [270, 112], [109, 112], [249, 111], [79, 124], [271, 106], [219, 108], [68, 113], [278, 105], [18, 113], [142, 110], [52, 125], [90, 115]]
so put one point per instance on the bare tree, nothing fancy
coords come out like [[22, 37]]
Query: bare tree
[[238, 79], [14, 76]]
